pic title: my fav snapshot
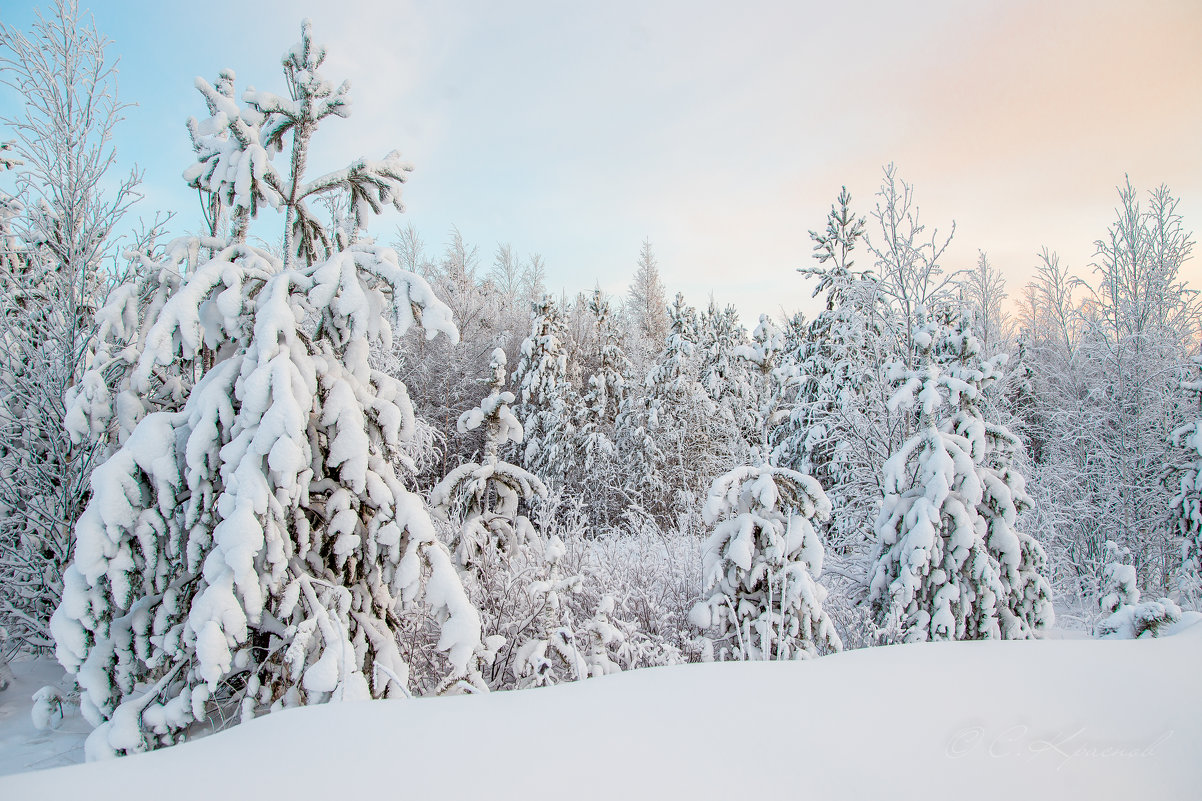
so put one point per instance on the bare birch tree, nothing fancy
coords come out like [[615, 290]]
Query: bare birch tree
[[52, 286]]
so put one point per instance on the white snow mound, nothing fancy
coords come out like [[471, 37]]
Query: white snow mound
[[1047, 719]]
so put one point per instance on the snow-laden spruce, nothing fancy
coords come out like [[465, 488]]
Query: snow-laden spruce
[[489, 492], [546, 397], [1118, 580], [252, 547], [726, 377], [1185, 513], [950, 562], [673, 439], [762, 561], [256, 543], [761, 565], [774, 378], [836, 429], [596, 415]]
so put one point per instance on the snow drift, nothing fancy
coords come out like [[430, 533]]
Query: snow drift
[[1037, 719]]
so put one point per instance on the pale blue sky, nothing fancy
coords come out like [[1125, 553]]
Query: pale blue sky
[[722, 131]]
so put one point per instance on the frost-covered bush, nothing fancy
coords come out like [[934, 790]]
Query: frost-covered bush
[[254, 546], [567, 603], [548, 653], [761, 565], [652, 577]]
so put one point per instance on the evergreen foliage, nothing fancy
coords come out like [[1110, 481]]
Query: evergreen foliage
[[950, 565], [761, 565], [252, 546]]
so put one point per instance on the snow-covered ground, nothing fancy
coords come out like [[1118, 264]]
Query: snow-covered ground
[[22, 747], [1052, 719]]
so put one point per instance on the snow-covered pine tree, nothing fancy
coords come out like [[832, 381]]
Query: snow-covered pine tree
[[833, 357], [645, 446], [761, 563], [838, 419], [489, 492], [945, 519], [607, 382], [495, 542], [516, 574], [1026, 606], [672, 438], [600, 482], [774, 377], [763, 559], [546, 406], [251, 548], [235, 178], [645, 309], [724, 376], [639, 458], [1118, 580], [1186, 509], [932, 576], [604, 638]]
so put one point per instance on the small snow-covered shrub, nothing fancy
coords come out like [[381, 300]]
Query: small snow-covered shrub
[[493, 535], [1137, 620], [1118, 580], [48, 708], [1126, 616], [491, 490]]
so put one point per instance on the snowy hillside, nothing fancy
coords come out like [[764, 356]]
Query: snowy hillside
[[1050, 719]]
